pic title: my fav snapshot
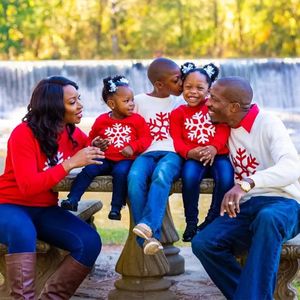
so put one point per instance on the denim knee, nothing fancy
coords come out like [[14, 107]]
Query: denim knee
[[25, 241], [266, 218], [90, 171], [90, 247], [132, 176], [94, 244], [200, 245]]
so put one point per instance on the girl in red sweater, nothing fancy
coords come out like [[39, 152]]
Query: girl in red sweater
[[202, 144], [41, 151], [128, 136]]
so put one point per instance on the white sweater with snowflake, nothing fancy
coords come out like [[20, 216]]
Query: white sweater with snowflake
[[266, 154], [156, 112]]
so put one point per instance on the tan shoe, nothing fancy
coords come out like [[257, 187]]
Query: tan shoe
[[142, 230], [152, 246]]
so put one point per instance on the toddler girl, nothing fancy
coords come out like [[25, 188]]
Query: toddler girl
[[127, 134]]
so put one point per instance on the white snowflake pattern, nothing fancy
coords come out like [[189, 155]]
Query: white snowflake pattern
[[199, 127], [59, 157], [118, 134]]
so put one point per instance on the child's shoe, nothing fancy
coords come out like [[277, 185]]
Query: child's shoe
[[114, 215], [142, 230], [69, 205], [190, 231], [208, 219], [152, 246]]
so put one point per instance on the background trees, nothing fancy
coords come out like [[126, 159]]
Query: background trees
[[110, 29]]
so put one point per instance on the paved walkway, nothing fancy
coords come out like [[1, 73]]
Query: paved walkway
[[194, 284]]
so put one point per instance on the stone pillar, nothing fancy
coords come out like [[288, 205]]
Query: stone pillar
[[142, 275], [168, 238], [288, 269]]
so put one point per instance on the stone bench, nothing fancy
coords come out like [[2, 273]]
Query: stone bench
[[143, 276], [48, 257]]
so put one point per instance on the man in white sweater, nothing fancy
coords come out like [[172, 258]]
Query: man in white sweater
[[262, 210]]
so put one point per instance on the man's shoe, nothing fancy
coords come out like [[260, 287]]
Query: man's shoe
[[189, 233], [68, 205], [152, 246], [142, 230], [114, 215]]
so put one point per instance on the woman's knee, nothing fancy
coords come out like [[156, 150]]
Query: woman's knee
[[88, 248], [92, 242], [21, 238]]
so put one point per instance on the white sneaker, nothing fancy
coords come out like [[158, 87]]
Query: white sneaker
[[152, 246], [142, 230]]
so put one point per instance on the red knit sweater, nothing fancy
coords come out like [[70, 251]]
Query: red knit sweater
[[191, 127], [132, 131], [27, 178]]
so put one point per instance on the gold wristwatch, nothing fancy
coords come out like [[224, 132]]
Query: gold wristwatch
[[246, 184]]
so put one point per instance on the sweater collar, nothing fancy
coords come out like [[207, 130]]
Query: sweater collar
[[248, 120]]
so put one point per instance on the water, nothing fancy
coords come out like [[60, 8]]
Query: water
[[275, 81]]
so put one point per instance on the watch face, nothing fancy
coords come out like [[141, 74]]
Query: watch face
[[246, 187]]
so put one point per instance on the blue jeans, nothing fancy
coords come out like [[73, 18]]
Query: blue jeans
[[261, 228], [119, 171], [21, 226], [149, 183], [192, 174]]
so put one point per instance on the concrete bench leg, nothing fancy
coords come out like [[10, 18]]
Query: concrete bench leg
[[142, 275], [170, 236], [288, 269]]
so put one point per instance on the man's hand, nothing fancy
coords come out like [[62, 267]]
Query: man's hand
[[231, 201]]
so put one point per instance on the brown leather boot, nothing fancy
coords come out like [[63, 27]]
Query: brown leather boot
[[20, 271], [63, 283]]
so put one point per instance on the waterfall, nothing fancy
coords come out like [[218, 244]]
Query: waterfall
[[275, 81]]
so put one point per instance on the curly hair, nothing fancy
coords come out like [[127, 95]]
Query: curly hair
[[110, 85], [45, 114], [210, 71]]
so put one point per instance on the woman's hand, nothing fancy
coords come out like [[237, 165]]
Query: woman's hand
[[127, 151], [86, 156]]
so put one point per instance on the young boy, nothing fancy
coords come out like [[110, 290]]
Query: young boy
[[152, 173]]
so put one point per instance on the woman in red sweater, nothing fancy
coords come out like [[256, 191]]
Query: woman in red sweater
[[41, 151]]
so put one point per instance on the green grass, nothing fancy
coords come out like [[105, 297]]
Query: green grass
[[113, 236], [296, 284], [119, 236]]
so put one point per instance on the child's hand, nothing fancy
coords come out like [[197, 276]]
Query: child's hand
[[207, 155], [127, 151], [195, 153], [100, 143], [84, 157]]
